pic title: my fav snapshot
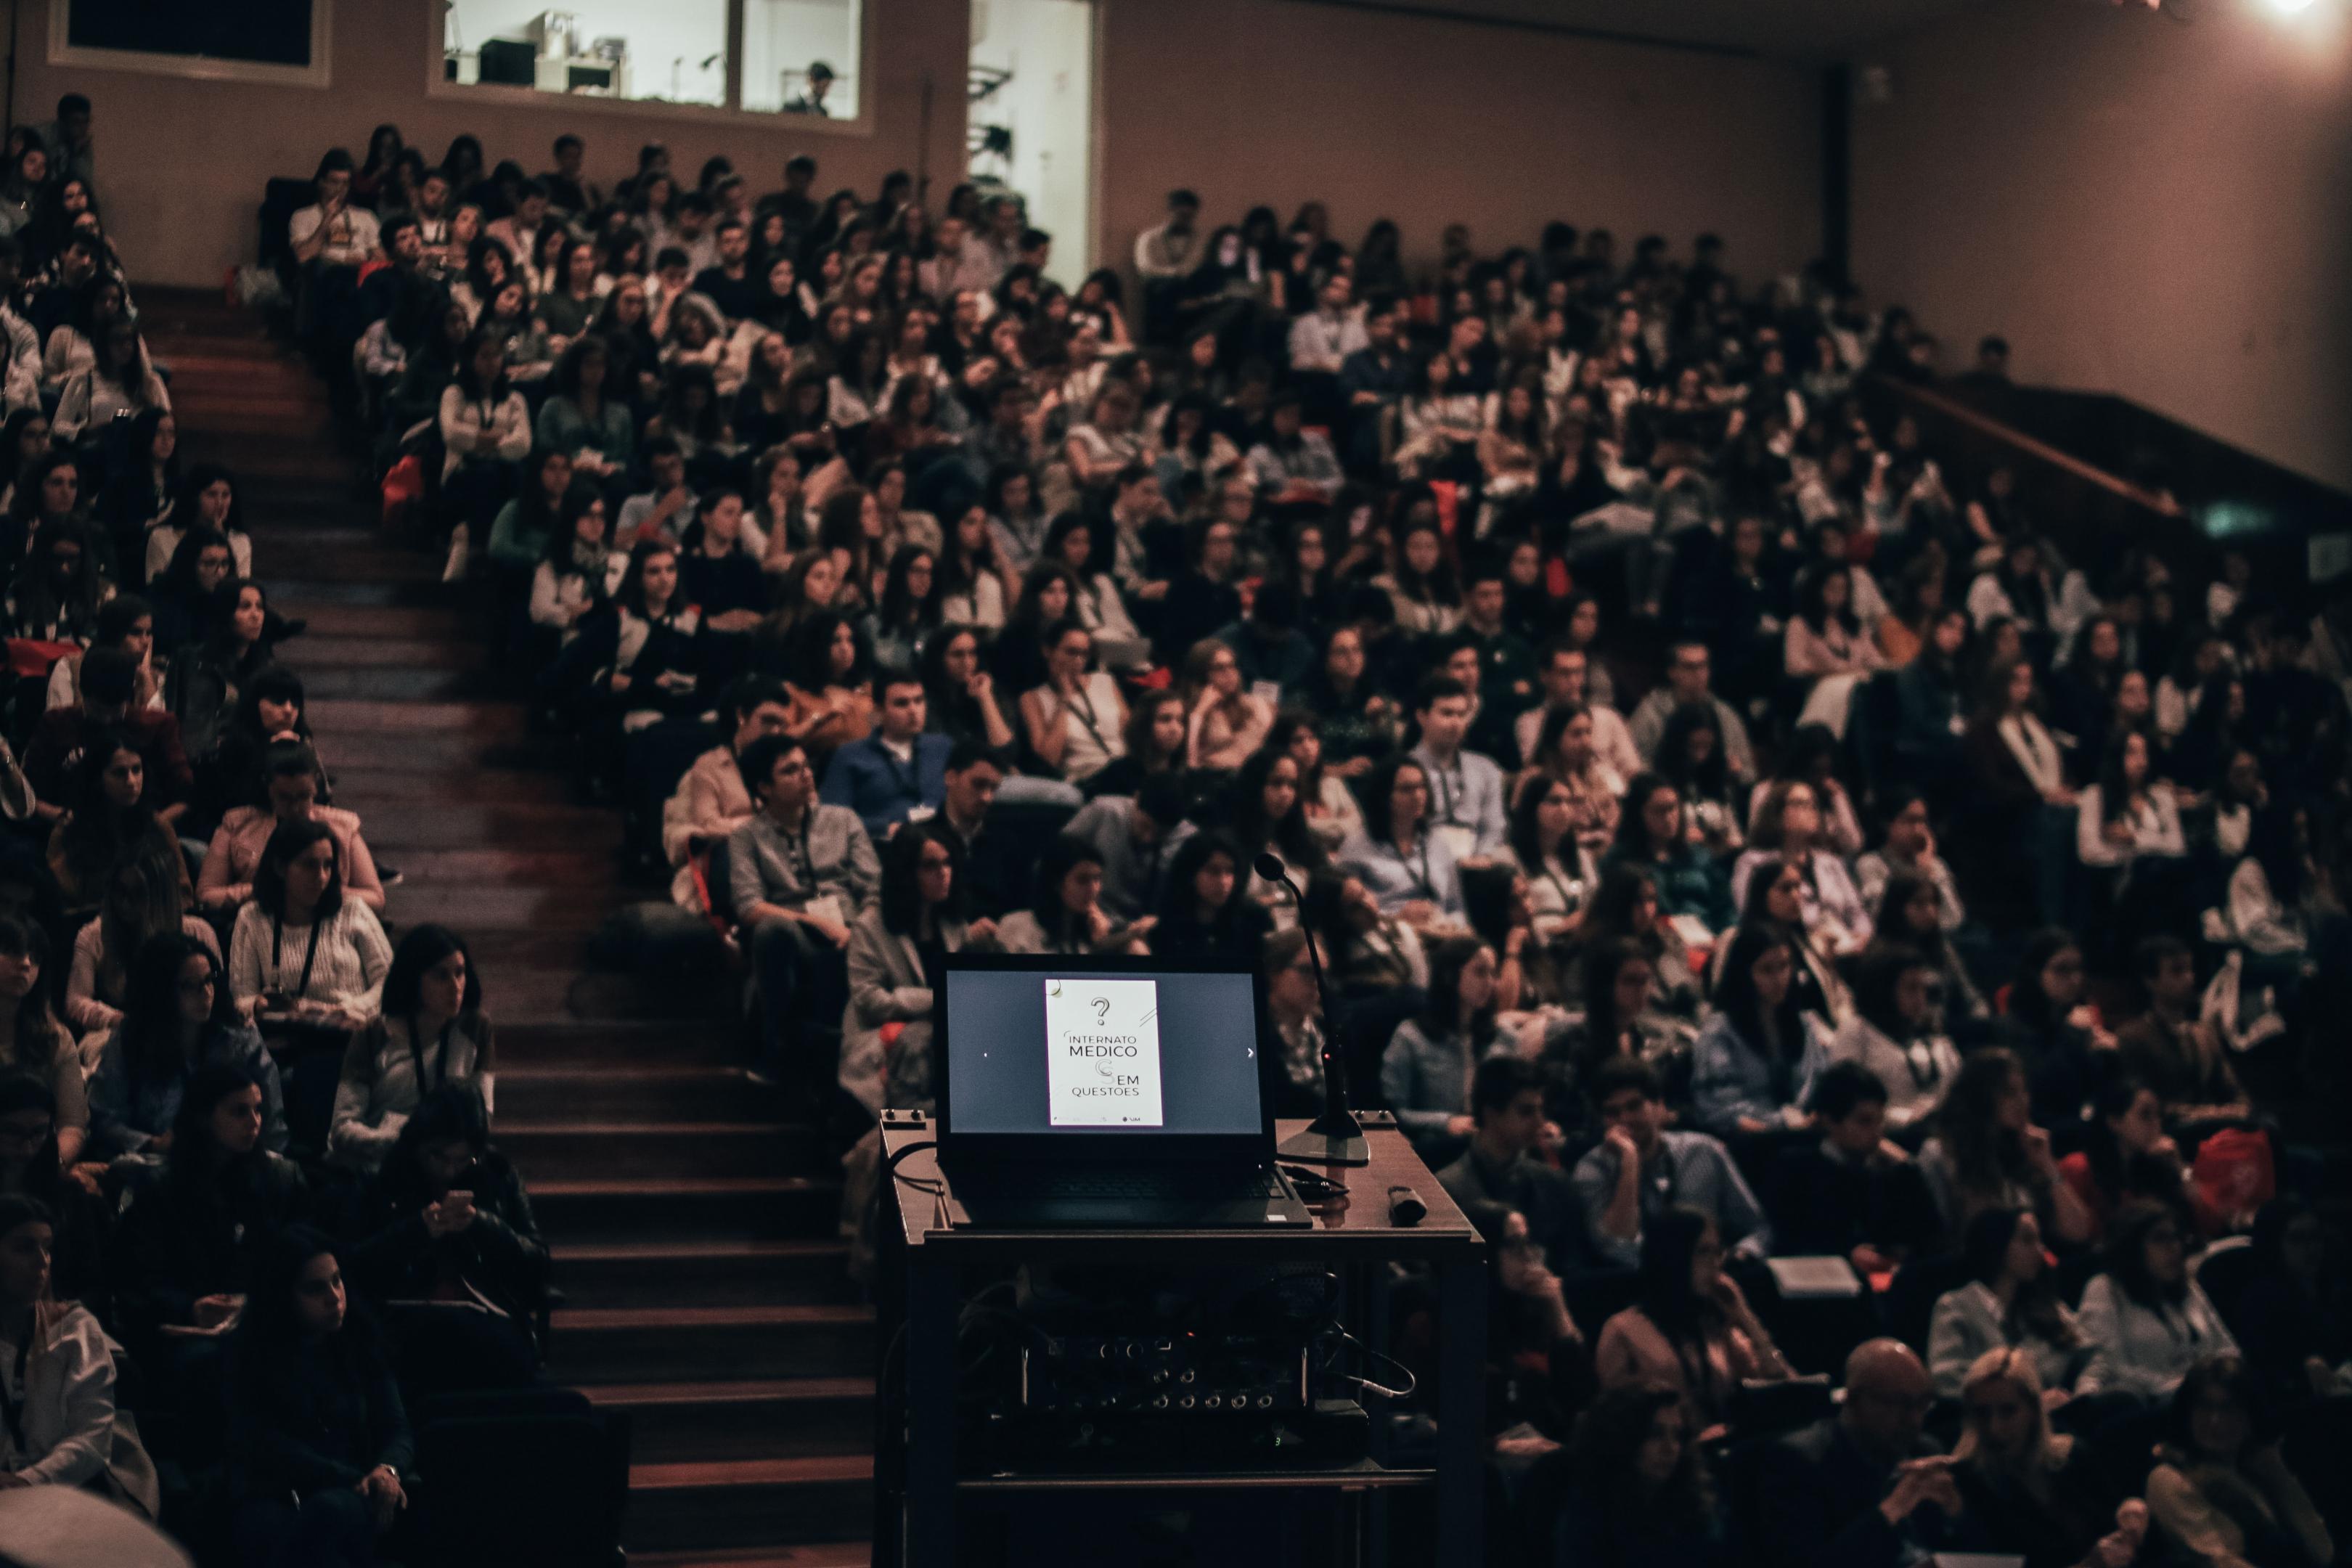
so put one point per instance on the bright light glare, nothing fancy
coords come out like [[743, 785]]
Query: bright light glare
[[2289, 7]]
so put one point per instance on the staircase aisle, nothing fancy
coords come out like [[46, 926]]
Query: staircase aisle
[[693, 1234]]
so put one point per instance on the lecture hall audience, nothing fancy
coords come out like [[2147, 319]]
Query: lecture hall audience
[[900, 600]]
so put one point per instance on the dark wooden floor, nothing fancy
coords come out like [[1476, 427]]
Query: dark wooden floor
[[694, 1233]]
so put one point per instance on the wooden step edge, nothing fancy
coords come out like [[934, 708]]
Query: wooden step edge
[[683, 1187], [835, 1554], [684, 1130], [607, 1253], [612, 1074], [615, 1320], [753, 1391], [825, 1469]]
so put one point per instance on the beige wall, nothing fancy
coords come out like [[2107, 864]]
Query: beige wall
[[1428, 121], [2141, 207], [181, 163]]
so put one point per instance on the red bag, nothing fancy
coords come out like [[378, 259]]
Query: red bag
[[403, 485], [2233, 1172], [1448, 496]]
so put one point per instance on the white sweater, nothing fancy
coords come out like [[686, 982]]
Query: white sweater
[[348, 971], [2145, 1350]]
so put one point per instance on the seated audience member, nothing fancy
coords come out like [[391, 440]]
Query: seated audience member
[[2129, 814], [1204, 912], [1426, 1072], [1638, 1495], [301, 950], [1076, 722], [830, 689], [1895, 1031], [288, 790], [2295, 1316], [1066, 913], [1909, 847], [177, 1019], [1268, 815], [1225, 722], [2026, 1492], [57, 1376], [432, 1031], [1810, 756], [1910, 911], [896, 947], [32, 1040], [447, 1221], [1864, 1488], [1641, 1169], [1294, 1006], [1408, 868], [2144, 1316], [898, 773], [579, 572], [2011, 1302], [993, 882], [1566, 678], [318, 1436], [710, 802], [1651, 834], [112, 823], [2067, 1052], [1468, 810], [1155, 747], [143, 901], [1690, 757], [109, 683], [1690, 1329], [1688, 668], [184, 1252], [2222, 1488], [1787, 831], [2127, 1157], [2173, 1051], [1986, 1153], [1567, 759], [801, 871], [30, 1169], [1561, 873], [1755, 1059], [1853, 1194], [1499, 1170]]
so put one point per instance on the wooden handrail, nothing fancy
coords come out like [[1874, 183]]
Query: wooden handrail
[[1951, 408]]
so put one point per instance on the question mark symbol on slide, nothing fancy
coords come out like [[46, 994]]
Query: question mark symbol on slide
[[1102, 1009]]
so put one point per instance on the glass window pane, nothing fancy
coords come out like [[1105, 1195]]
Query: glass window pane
[[785, 40], [670, 50]]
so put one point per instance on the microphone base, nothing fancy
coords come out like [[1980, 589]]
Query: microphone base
[[1333, 1138]]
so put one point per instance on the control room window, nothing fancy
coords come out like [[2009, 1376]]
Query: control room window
[[796, 56]]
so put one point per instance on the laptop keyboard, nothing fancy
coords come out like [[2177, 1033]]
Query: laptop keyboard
[[1207, 1186]]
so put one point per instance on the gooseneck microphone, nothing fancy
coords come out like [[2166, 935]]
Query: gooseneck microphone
[[1334, 1138]]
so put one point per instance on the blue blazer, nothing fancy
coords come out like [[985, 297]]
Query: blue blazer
[[880, 788]]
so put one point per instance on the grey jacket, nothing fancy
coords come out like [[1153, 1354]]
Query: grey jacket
[[887, 985], [765, 865]]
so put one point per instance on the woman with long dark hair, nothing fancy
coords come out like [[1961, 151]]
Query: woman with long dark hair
[[1267, 813], [2067, 1051], [1652, 833], [1690, 1328], [1756, 1057], [447, 1215], [2127, 1157], [1986, 1151], [1425, 1072], [320, 1436], [908, 616], [177, 1019], [1638, 1492], [432, 1031], [111, 821], [301, 949], [1064, 913], [1204, 912], [896, 949], [2145, 1317], [1408, 868], [960, 694], [2221, 1488], [2012, 1301], [1691, 758], [58, 589], [1895, 1031]]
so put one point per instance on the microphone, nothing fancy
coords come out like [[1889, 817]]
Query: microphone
[[1334, 1138]]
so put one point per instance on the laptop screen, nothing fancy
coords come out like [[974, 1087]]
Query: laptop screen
[[1034, 1052]]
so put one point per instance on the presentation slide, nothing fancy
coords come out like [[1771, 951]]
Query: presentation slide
[[1102, 1066]]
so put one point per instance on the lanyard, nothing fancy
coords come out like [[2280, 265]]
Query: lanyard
[[804, 858], [1079, 703], [440, 1057], [1426, 883], [309, 953], [12, 1406]]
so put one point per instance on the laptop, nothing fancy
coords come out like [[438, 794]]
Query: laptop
[[1087, 1093]]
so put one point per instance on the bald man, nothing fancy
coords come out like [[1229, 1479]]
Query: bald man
[[1865, 1489]]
